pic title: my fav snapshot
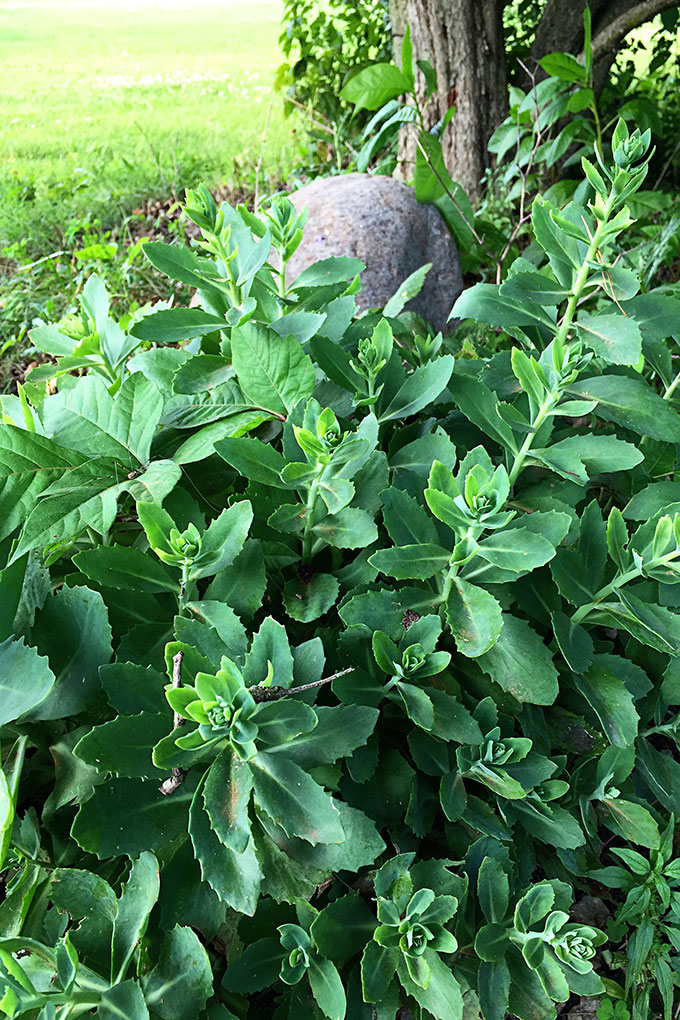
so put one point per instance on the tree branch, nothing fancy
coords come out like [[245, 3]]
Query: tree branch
[[609, 37]]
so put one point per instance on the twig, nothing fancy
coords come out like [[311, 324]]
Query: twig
[[274, 693], [175, 780]]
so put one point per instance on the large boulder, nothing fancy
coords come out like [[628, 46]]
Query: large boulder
[[378, 220]]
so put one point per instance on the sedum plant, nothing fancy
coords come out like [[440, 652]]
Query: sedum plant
[[337, 669]]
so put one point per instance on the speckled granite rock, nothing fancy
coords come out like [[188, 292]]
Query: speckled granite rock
[[378, 220]]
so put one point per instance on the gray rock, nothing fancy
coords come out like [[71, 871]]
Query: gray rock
[[378, 220]]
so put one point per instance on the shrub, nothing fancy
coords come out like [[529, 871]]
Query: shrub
[[336, 668]]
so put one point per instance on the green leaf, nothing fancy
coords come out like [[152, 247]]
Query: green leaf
[[294, 801], [350, 528], [29, 464], [253, 459], [631, 820], [564, 66], [631, 403], [378, 966], [574, 642], [25, 679], [411, 286], [442, 997], [343, 928], [121, 566], [131, 688], [135, 903], [272, 371], [123, 1001], [519, 550], [327, 988], [487, 302], [180, 984], [123, 745], [411, 561], [307, 600], [256, 969], [339, 732], [597, 454], [178, 263], [474, 617], [175, 325], [480, 405], [521, 664], [129, 816], [270, 645], [375, 85], [87, 497], [74, 630], [615, 338], [223, 540], [407, 522], [420, 389], [493, 986], [87, 418], [226, 793], [337, 269], [609, 697], [235, 877]]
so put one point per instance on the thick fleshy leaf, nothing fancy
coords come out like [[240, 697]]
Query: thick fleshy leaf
[[631, 403], [307, 600], [25, 679], [180, 984], [273, 372], [129, 816], [610, 699], [294, 801], [419, 389], [474, 617], [226, 795], [411, 561], [521, 664], [123, 745], [616, 338], [121, 566], [327, 987], [124, 1001], [29, 464], [73, 629], [135, 903], [235, 877]]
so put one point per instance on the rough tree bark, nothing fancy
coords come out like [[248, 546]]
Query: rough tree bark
[[464, 41]]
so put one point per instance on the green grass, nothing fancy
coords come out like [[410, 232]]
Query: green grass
[[106, 102]]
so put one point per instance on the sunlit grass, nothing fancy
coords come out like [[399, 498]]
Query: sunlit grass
[[104, 102]]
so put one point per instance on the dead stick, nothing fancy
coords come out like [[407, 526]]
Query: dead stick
[[175, 780]]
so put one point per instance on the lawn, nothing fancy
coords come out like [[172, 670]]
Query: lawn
[[109, 101]]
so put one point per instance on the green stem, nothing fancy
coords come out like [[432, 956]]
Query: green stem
[[543, 412], [561, 338], [582, 279], [619, 581], [671, 388], [455, 564], [310, 506]]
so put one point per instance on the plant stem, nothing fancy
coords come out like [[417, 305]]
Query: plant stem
[[543, 412], [671, 388], [619, 581], [310, 506]]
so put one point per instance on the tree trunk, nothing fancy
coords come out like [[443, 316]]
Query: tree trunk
[[463, 39], [561, 28]]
